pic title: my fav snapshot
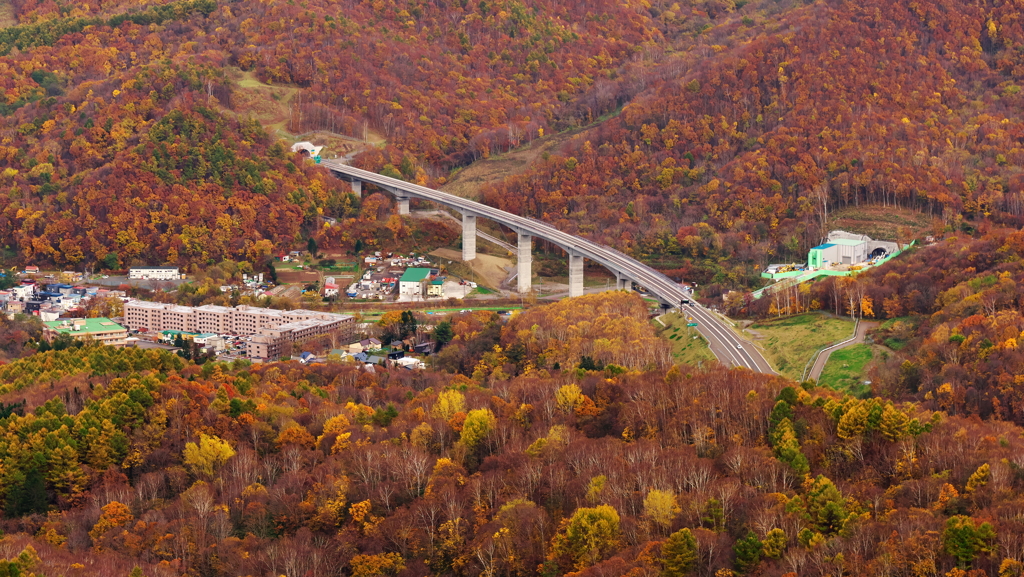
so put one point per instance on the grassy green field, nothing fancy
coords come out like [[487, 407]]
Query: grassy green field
[[789, 342], [685, 347], [844, 370]]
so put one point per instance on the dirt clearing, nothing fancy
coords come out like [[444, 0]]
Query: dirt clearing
[[271, 105], [882, 222], [297, 276], [491, 269], [468, 181]]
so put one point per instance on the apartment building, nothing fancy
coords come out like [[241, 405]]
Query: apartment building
[[269, 343], [159, 317], [240, 320], [214, 319]]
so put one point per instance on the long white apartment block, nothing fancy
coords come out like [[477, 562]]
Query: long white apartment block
[[240, 320]]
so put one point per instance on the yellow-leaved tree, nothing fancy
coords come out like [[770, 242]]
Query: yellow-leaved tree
[[204, 459], [479, 423], [569, 397], [376, 565], [660, 506], [588, 536], [448, 403]]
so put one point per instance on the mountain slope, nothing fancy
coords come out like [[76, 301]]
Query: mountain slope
[[740, 158]]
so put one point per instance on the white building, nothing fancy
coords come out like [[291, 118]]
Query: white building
[[23, 291], [410, 363], [846, 248], [154, 273]]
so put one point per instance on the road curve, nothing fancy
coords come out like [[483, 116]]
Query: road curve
[[726, 345], [858, 337]]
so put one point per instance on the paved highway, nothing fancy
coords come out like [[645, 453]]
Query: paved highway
[[726, 345]]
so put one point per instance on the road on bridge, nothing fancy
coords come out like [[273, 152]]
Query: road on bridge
[[727, 346]]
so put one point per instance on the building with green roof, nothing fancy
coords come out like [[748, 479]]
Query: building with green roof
[[102, 330]]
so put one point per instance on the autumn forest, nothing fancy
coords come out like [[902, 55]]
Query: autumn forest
[[706, 138]]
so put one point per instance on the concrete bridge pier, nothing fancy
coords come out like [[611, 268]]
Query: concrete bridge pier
[[357, 187], [403, 204], [524, 262], [575, 274], [622, 283], [468, 236]]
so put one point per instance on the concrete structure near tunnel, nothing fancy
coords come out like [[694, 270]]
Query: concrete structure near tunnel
[[847, 248]]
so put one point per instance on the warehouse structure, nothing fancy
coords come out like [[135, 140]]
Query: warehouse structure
[[845, 248], [413, 282]]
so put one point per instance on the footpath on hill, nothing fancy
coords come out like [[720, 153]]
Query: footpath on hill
[[819, 364]]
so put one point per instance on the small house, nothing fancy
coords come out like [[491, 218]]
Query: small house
[[436, 288]]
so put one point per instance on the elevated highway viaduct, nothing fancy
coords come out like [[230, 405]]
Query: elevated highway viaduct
[[724, 342]]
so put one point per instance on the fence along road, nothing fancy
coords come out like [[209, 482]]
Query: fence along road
[[725, 344]]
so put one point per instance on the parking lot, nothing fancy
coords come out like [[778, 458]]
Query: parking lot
[[380, 283]]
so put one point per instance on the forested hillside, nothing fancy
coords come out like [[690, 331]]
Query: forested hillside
[[119, 132], [738, 160], [954, 325], [125, 458], [742, 126]]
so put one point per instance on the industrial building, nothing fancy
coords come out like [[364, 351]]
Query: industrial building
[[101, 330], [845, 248], [413, 281]]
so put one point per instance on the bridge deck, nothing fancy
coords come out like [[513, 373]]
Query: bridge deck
[[659, 285]]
